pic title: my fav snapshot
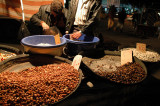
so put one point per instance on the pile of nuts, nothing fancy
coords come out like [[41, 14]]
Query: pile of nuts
[[129, 73], [149, 56], [109, 67], [39, 85]]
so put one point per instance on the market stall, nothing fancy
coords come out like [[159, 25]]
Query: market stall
[[38, 76], [93, 88]]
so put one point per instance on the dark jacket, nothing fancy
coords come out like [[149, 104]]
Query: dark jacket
[[94, 8], [44, 15]]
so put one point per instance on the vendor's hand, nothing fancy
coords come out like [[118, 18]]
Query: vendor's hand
[[44, 25], [76, 35], [66, 32]]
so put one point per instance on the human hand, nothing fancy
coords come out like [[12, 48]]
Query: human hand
[[76, 35], [66, 32], [44, 25]]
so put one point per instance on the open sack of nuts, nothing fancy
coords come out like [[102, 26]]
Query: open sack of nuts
[[109, 67], [37, 80]]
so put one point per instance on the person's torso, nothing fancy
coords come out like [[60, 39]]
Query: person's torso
[[72, 12], [81, 13]]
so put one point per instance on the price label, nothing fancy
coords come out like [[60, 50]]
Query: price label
[[126, 56], [141, 47], [57, 39], [77, 61]]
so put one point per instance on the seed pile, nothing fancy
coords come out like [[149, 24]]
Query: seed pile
[[43, 44], [107, 63], [39, 85], [128, 74], [109, 67], [149, 56]]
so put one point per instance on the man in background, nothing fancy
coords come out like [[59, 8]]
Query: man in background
[[121, 18], [51, 15]]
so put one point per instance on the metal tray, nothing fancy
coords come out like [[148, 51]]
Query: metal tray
[[114, 53], [148, 48], [24, 61], [9, 50], [151, 66]]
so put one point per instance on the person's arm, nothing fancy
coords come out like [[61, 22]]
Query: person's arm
[[36, 19]]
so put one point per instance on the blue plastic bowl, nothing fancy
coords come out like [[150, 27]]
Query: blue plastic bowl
[[43, 44], [86, 43], [34, 40], [84, 39]]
